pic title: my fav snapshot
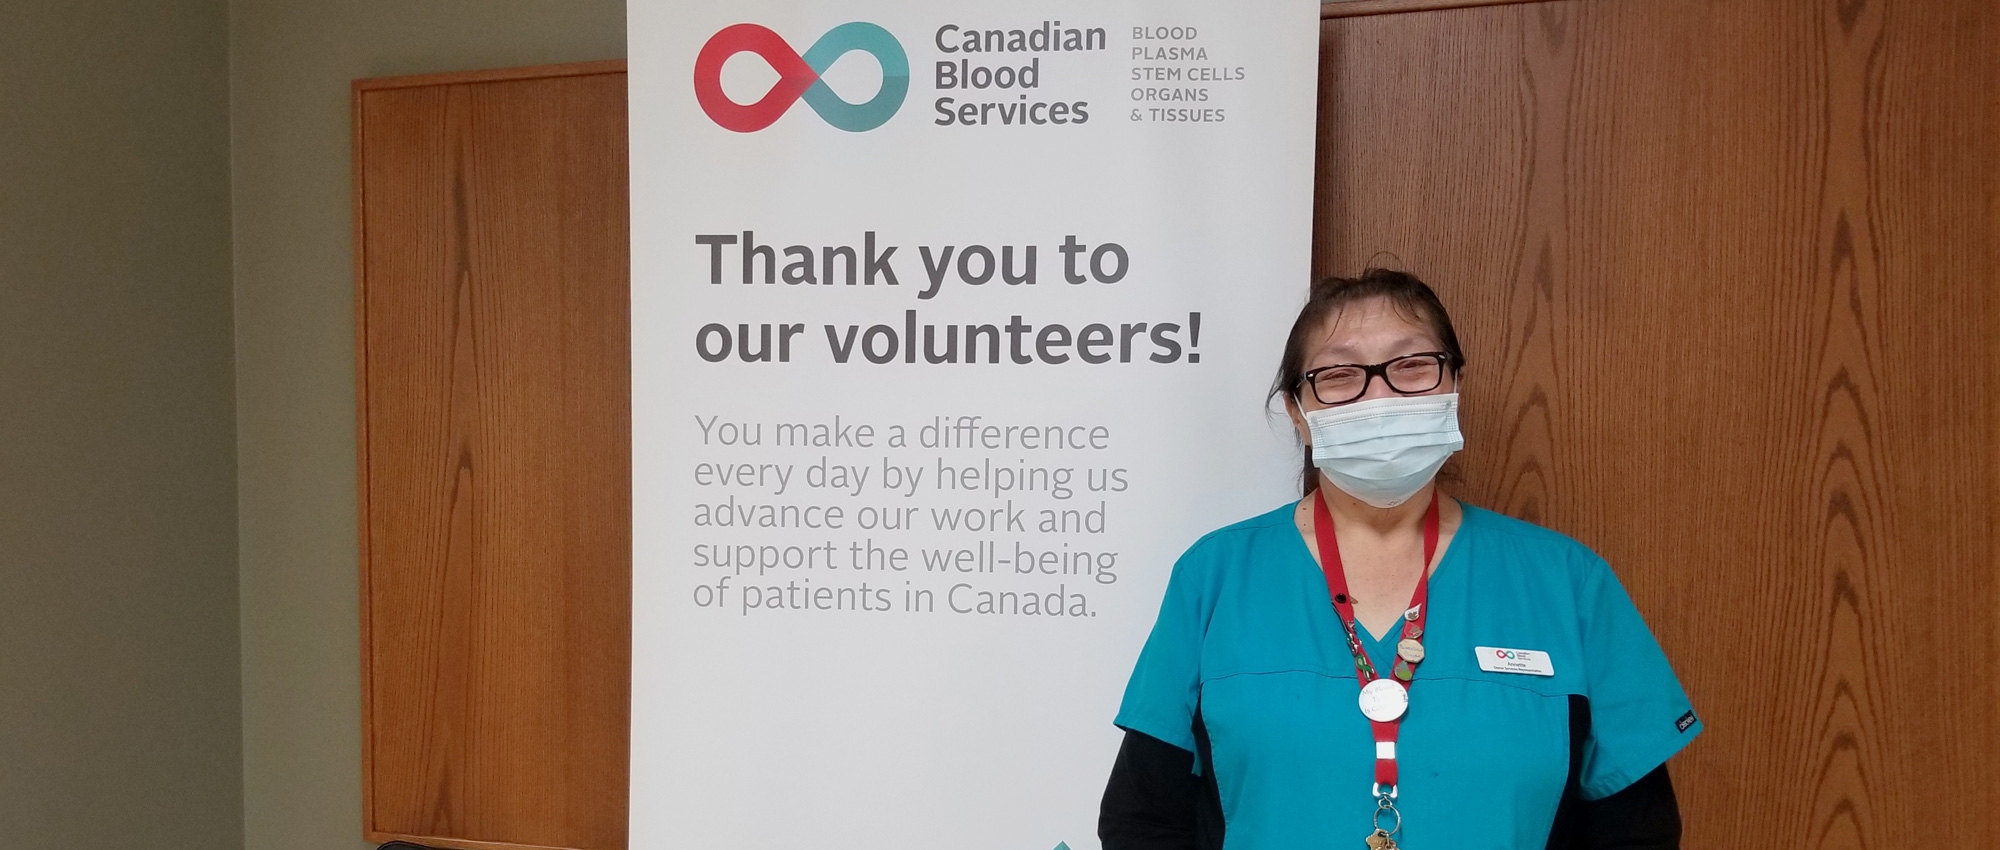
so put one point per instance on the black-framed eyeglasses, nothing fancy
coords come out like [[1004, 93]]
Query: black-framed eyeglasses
[[1344, 382]]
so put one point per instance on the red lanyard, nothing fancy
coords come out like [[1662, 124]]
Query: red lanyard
[[1392, 696]]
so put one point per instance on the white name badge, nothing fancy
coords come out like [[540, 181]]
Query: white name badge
[[1532, 662]]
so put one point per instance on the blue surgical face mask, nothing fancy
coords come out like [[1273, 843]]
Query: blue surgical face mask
[[1382, 451]]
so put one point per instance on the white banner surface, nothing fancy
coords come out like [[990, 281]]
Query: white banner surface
[[951, 328]]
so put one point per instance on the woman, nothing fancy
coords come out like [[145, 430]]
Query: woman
[[1381, 665]]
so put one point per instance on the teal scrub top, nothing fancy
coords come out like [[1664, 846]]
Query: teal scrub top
[[1248, 638]]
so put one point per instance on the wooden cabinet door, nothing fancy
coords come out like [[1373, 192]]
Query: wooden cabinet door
[[1725, 277], [492, 334]]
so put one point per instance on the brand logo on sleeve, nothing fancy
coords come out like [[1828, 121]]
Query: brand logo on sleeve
[[799, 77], [1686, 721]]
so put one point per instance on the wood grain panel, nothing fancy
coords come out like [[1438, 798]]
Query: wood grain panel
[[1972, 775], [1357, 8], [1723, 272], [495, 413]]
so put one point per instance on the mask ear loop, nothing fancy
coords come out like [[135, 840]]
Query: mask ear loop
[[1297, 404]]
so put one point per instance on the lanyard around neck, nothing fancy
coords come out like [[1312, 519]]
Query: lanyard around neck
[[1383, 703]]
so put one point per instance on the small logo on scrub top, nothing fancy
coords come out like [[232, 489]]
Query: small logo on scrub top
[[799, 77], [1686, 721]]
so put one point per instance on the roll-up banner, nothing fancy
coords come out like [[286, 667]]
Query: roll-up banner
[[952, 326]]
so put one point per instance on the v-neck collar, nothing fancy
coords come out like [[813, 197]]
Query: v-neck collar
[[1387, 642]]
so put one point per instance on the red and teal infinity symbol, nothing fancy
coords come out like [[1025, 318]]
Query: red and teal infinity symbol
[[798, 77]]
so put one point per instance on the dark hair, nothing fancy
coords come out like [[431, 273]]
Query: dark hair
[[1409, 296]]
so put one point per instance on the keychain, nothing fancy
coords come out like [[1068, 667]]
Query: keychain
[[1385, 839]]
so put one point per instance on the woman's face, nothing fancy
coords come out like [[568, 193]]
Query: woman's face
[[1365, 332]]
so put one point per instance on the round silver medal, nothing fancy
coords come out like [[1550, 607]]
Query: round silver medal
[[1384, 700]]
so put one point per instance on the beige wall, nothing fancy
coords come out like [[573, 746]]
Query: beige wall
[[290, 64], [118, 617]]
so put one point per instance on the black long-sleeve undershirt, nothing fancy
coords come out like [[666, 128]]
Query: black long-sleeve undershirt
[[1155, 801]]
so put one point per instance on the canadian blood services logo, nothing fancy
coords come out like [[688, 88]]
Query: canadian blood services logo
[[798, 77]]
